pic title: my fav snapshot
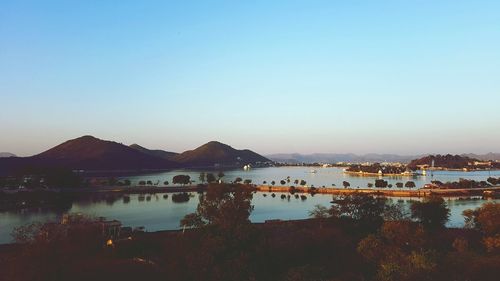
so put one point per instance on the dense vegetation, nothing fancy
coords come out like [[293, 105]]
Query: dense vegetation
[[358, 237], [376, 168], [449, 161]]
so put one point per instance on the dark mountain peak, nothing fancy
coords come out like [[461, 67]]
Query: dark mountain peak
[[217, 153], [91, 153], [216, 144]]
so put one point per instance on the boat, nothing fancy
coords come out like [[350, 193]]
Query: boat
[[313, 171]]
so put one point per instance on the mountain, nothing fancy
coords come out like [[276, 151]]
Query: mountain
[[216, 153], [337, 157], [447, 161], [6, 155], [483, 157], [156, 152], [88, 153]]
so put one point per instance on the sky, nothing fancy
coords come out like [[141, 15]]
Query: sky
[[401, 76]]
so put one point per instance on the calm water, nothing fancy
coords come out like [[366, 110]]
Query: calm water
[[323, 177], [159, 213]]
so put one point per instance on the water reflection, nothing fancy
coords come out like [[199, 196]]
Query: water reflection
[[136, 210]]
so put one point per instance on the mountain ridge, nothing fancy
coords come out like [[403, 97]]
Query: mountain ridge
[[217, 153]]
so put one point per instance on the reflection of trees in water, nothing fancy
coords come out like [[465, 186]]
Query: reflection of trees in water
[[180, 197]]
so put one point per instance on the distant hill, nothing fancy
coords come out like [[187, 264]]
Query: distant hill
[[443, 161], [6, 155], [89, 153], [216, 153], [338, 157], [484, 157], [156, 152]]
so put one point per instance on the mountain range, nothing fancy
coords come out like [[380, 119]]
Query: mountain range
[[339, 157], [93, 154], [356, 158]]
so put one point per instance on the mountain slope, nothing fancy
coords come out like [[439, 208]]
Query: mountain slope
[[154, 152], [90, 153], [484, 157], [6, 154], [216, 153], [442, 161]]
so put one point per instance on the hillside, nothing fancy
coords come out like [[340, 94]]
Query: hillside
[[484, 157], [154, 152], [216, 153], [443, 161], [88, 153], [6, 155]]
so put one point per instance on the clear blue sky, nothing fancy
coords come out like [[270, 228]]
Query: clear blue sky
[[274, 76]]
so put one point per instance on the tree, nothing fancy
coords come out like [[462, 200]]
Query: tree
[[370, 184], [380, 183], [181, 179], [273, 183], [220, 175], [410, 184], [247, 181], [432, 212], [319, 212], [202, 177], [486, 219], [346, 184], [224, 206], [210, 177], [165, 183], [359, 206], [303, 182], [238, 180], [283, 182], [296, 182], [399, 184]]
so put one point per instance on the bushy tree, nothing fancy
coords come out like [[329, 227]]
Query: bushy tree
[[410, 184], [432, 212], [223, 206], [360, 207], [210, 178], [181, 179], [319, 212]]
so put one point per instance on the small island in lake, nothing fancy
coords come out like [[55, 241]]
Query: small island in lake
[[378, 169]]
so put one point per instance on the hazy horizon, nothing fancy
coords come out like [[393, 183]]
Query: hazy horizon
[[398, 77]]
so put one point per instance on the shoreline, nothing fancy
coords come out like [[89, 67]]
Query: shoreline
[[367, 174], [381, 192], [421, 192]]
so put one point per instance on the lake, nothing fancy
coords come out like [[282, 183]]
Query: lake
[[155, 212]]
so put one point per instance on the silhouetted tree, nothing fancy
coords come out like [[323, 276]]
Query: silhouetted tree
[[410, 184], [432, 212], [202, 177], [181, 179], [210, 177]]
